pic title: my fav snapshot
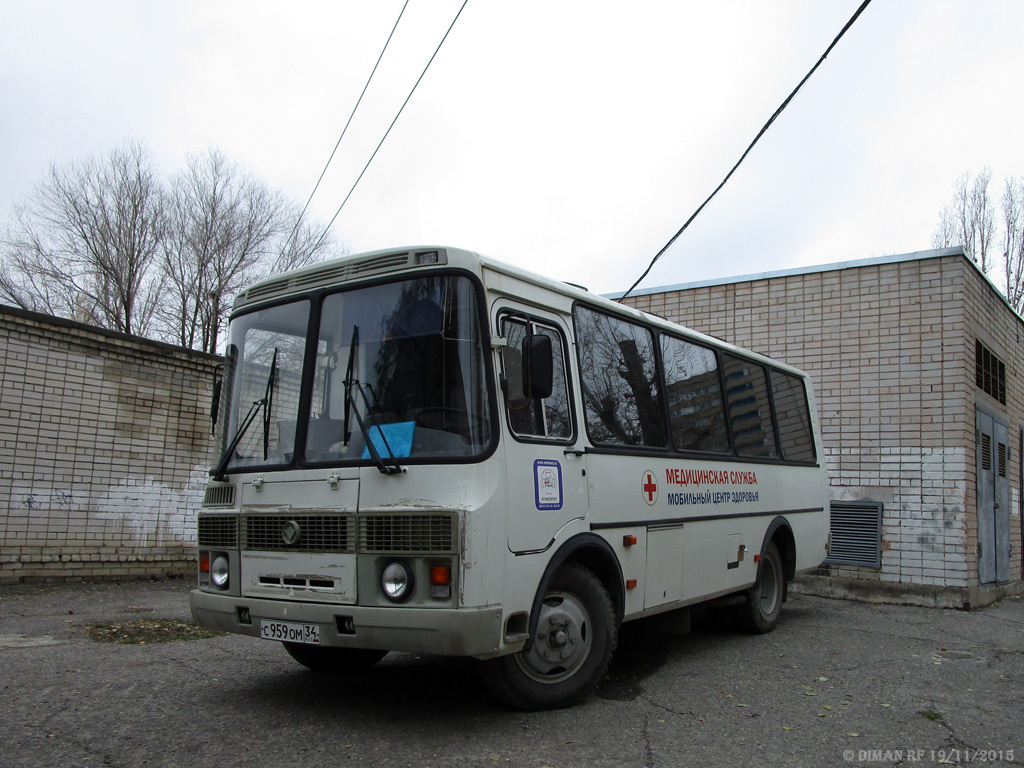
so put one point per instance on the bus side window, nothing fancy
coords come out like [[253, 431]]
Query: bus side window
[[552, 419], [750, 413], [793, 417], [694, 395], [619, 379]]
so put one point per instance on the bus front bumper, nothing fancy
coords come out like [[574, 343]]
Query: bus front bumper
[[447, 632]]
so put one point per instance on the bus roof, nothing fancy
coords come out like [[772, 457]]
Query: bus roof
[[382, 262]]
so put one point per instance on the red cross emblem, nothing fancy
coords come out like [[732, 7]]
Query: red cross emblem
[[649, 488]]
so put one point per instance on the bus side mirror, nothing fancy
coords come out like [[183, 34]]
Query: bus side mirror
[[215, 404], [538, 366]]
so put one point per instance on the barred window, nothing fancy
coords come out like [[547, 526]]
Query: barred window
[[989, 372]]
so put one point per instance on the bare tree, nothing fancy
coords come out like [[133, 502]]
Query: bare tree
[[83, 245], [969, 220], [305, 242], [103, 242], [1013, 241], [226, 229]]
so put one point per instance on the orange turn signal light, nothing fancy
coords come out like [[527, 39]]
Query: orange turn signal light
[[630, 583], [204, 563], [440, 575], [629, 541]]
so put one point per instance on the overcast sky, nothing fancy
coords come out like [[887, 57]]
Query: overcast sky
[[572, 138]]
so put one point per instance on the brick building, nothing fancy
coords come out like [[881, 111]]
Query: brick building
[[105, 439], [917, 364], [104, 448]]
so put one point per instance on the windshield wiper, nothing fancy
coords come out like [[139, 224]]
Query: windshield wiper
[[392, 467], [348, 381], [266, 403]]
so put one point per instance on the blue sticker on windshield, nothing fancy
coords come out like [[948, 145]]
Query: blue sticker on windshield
[[398, 435], [547, 483]]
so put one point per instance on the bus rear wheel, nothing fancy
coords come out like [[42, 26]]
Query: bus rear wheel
[[321, 658], [759, 613], [572, 646]]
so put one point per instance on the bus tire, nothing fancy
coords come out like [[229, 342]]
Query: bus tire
[[572, 646], [321, 658], [759, 613]]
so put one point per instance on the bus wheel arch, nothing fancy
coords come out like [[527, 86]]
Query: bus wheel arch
[[759, 612], [597, 556], [781, 533]]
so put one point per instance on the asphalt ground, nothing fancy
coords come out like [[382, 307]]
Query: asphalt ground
[[838, 683]]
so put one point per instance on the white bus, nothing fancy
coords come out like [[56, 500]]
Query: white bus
[[428, 450]]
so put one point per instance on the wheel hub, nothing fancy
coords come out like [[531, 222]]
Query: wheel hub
[[562, 642], [769, 586]]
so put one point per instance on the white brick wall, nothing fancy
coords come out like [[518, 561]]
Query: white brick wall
[[104, 444]]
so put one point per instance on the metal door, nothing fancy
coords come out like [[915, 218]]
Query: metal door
[[993, 491]]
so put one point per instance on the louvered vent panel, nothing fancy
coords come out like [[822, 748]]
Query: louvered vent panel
[[323, 276], [220, 531], [856, 530], [380, 264], [219, 496], [407, 533], [331, 274], [267, 289]]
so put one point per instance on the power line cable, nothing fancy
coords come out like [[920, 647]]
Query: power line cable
[[316, 186], [388, 131], [743, 157]]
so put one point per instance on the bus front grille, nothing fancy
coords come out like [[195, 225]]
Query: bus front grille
[[393, 533], [298, 533], [407, 533], [219, 531]]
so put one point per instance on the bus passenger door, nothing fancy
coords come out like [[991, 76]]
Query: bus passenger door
[[546, 475]]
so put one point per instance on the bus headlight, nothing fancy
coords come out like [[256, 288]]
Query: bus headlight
[[219, 571], [396, 581]]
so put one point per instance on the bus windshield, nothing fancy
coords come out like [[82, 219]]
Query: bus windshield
[[397, 374], [263, 379]]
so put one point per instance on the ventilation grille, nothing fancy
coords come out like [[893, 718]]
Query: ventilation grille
[[989, 372], [986, 452], [220, 531], [332, 274], [219, 496], [856, 533], [380, 264], [316, 533], [320, 277], [407, 533]]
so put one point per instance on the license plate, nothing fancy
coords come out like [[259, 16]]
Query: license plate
[[290, 632]]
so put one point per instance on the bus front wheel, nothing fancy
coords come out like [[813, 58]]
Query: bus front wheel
[[570, 650], [759, 613], [326, 659]]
